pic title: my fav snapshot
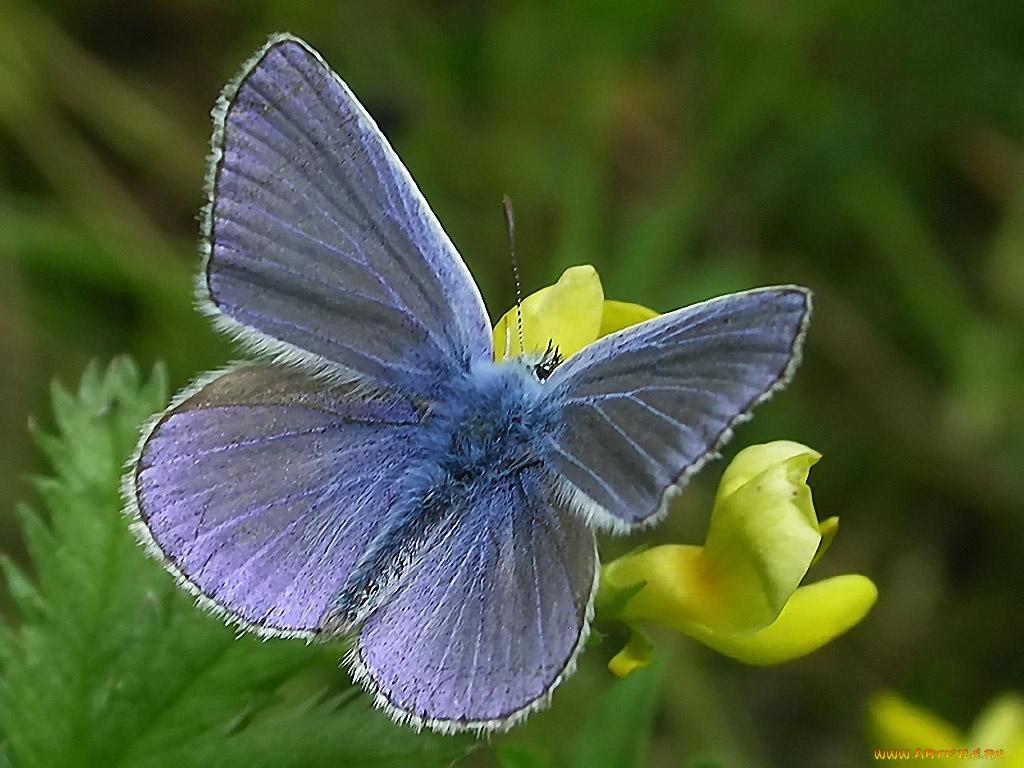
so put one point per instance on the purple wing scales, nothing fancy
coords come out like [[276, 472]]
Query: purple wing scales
[[261, 489], [319, 245], [491, 618], [649, 405]]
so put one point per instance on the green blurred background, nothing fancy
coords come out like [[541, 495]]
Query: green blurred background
[[869, 149]]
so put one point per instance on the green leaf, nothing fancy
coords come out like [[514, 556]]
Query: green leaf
[[110, 664], [617, 730]]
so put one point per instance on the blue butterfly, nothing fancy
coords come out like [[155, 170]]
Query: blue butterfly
[[380, 476]]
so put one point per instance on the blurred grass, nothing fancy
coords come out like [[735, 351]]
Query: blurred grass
[[870, 150]]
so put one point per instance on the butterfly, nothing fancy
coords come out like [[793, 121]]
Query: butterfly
[[379, 476]]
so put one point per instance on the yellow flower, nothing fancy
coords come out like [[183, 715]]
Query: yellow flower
[[897, 725], [740, 592], [569, 315]]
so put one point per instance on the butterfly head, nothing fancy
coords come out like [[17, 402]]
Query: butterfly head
[[550, 360]]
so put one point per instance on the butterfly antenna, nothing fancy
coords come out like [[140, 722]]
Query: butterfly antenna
[[506, 203]]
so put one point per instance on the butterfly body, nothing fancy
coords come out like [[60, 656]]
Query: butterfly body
[[380, 475], [477, 433], [489, 420]]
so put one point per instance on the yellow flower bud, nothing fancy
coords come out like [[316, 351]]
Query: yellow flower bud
[[739, 592]]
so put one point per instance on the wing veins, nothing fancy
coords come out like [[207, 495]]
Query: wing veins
[[575, 462], [393, 364], [635, 445], [191, 457], [353, 116], [320, 491], [241, 266], [343, 177], [336, 218]]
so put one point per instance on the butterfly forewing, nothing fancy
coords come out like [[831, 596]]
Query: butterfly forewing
[[641, 410], [320, 246]]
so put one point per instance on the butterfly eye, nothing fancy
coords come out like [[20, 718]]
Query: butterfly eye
[[550, 360]]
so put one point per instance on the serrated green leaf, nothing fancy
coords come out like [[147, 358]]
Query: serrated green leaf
[[110, 664], [91, 383], [36, 536], [64, 407], [52, 448], [22, 591]]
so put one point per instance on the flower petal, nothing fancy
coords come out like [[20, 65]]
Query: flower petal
[[620, 314], [828, 529], [897, 724], [755, 459], [637, 654], [1001, 726], [762, 536], [666, 584], [814, 615], [567, 315]]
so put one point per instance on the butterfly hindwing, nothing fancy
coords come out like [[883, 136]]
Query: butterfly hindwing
[[319, 245], [641, 410], [260, 490], [491, 617]]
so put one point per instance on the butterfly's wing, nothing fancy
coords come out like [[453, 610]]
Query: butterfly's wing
[[492, 616], [261, 488], [641, 410], [319, 247]]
